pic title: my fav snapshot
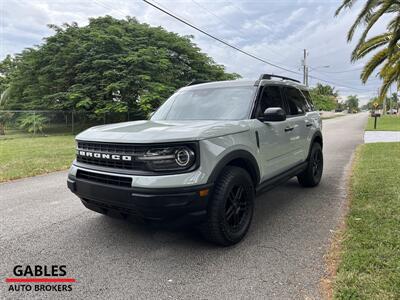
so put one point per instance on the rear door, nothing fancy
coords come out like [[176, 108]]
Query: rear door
[[297, 108]]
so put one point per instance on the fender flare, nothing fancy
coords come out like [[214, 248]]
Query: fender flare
[[252, 165], [317, 135]]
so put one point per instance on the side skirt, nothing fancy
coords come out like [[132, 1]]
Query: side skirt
[[281, 178]]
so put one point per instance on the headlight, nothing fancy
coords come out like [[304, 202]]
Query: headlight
[[169, 158]]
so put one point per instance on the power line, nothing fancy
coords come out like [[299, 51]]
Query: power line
[[232, 46], [238, 29], [215, 15], [221, 40], [343, 71], [338, 84]]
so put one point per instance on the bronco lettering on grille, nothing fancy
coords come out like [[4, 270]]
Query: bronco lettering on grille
[[104, 155]]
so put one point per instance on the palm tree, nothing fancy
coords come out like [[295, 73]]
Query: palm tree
[[387, 44]]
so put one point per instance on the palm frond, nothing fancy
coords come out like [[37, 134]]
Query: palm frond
[[362, 17], [372, 64], [392, 76], [345, 4], [373, 19], [393, 44], [4, 96], [370, 45]]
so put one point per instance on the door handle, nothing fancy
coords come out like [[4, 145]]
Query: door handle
[[308, 124], [289, 129]]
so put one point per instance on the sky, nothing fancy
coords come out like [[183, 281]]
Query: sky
[[274, 30]]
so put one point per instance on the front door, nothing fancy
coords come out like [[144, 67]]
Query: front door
[[276, 149]]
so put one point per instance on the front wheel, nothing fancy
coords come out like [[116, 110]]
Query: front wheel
[[230, 209], [311, 176]]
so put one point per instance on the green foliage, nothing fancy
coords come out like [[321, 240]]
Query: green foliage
[[385, 46], [352, 103], [384, 123], [33, 123], [324, 97], [369, 263], [109, 65]]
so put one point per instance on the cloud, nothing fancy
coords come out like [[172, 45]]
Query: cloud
[[277, 31]]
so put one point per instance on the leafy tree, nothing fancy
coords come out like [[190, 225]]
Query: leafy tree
[[110, 65], [352, 103], [33, 123], [385, 46], [324, 97]]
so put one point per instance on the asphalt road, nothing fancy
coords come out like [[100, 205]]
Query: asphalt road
[[281, 258]]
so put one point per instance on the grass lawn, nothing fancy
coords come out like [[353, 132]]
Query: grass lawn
[[24, 157], [370, 251], [386, 123]]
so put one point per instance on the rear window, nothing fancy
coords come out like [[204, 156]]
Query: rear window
[[297, 101], [308, 98]]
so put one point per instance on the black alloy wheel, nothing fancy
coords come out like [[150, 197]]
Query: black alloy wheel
[[230, 208], [311, 176], [236, 207]]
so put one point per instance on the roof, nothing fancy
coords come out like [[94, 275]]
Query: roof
[[238, 83]]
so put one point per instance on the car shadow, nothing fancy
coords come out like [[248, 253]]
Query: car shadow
[[269, 207]]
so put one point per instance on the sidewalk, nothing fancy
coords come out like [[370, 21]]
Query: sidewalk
[[381, 136]]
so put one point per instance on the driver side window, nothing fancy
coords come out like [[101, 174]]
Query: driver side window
[[271, 97]]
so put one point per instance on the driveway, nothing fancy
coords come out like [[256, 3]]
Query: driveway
[[281, 258]]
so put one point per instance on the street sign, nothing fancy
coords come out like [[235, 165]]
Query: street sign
[[375, 104]]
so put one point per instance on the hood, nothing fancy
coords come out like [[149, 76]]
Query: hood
[[161, 131]]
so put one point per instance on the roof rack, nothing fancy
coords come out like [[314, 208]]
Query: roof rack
[[194, 82], [269, 76]]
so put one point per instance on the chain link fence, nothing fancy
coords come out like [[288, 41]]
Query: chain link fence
[[35, 123]]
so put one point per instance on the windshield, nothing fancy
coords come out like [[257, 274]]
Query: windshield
[[226, 103]]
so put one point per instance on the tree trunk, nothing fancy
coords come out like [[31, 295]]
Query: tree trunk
[[2, 129]]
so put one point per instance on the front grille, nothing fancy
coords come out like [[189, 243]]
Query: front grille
[[103, 178], [112, 148], [127, 149]]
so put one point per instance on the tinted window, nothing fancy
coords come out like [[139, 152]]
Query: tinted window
[[270, 97], [227, 103], [297, 103]]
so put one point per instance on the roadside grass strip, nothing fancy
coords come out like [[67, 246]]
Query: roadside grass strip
[[370, 252], [385, 123], [36, 155]]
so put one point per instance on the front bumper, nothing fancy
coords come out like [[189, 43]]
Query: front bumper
[[162, 205]]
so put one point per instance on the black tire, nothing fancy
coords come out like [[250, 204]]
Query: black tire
[[311, 176], [230, 208]]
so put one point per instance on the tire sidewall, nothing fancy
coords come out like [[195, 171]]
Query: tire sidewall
[[316, 148], [240, 178]]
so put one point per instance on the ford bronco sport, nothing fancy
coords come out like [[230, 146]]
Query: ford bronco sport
[[203, 155]]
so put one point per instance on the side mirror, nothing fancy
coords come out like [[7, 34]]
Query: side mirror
[[274, 114]]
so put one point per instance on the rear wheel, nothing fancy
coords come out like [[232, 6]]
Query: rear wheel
[[311, 176], [230, 209]]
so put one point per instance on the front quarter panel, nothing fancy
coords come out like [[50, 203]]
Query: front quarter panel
[[215, 149]]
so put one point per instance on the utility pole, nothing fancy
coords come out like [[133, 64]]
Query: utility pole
[[305, 68]]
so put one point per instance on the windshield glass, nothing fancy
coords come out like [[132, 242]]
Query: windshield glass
[[226, 103]]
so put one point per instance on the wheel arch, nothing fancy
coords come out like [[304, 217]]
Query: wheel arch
[[239, 158], [317, 138]]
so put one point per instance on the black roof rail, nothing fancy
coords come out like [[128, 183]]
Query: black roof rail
[[269, 76], [194, 82]]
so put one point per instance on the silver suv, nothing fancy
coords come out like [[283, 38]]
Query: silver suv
[[203, 156]]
